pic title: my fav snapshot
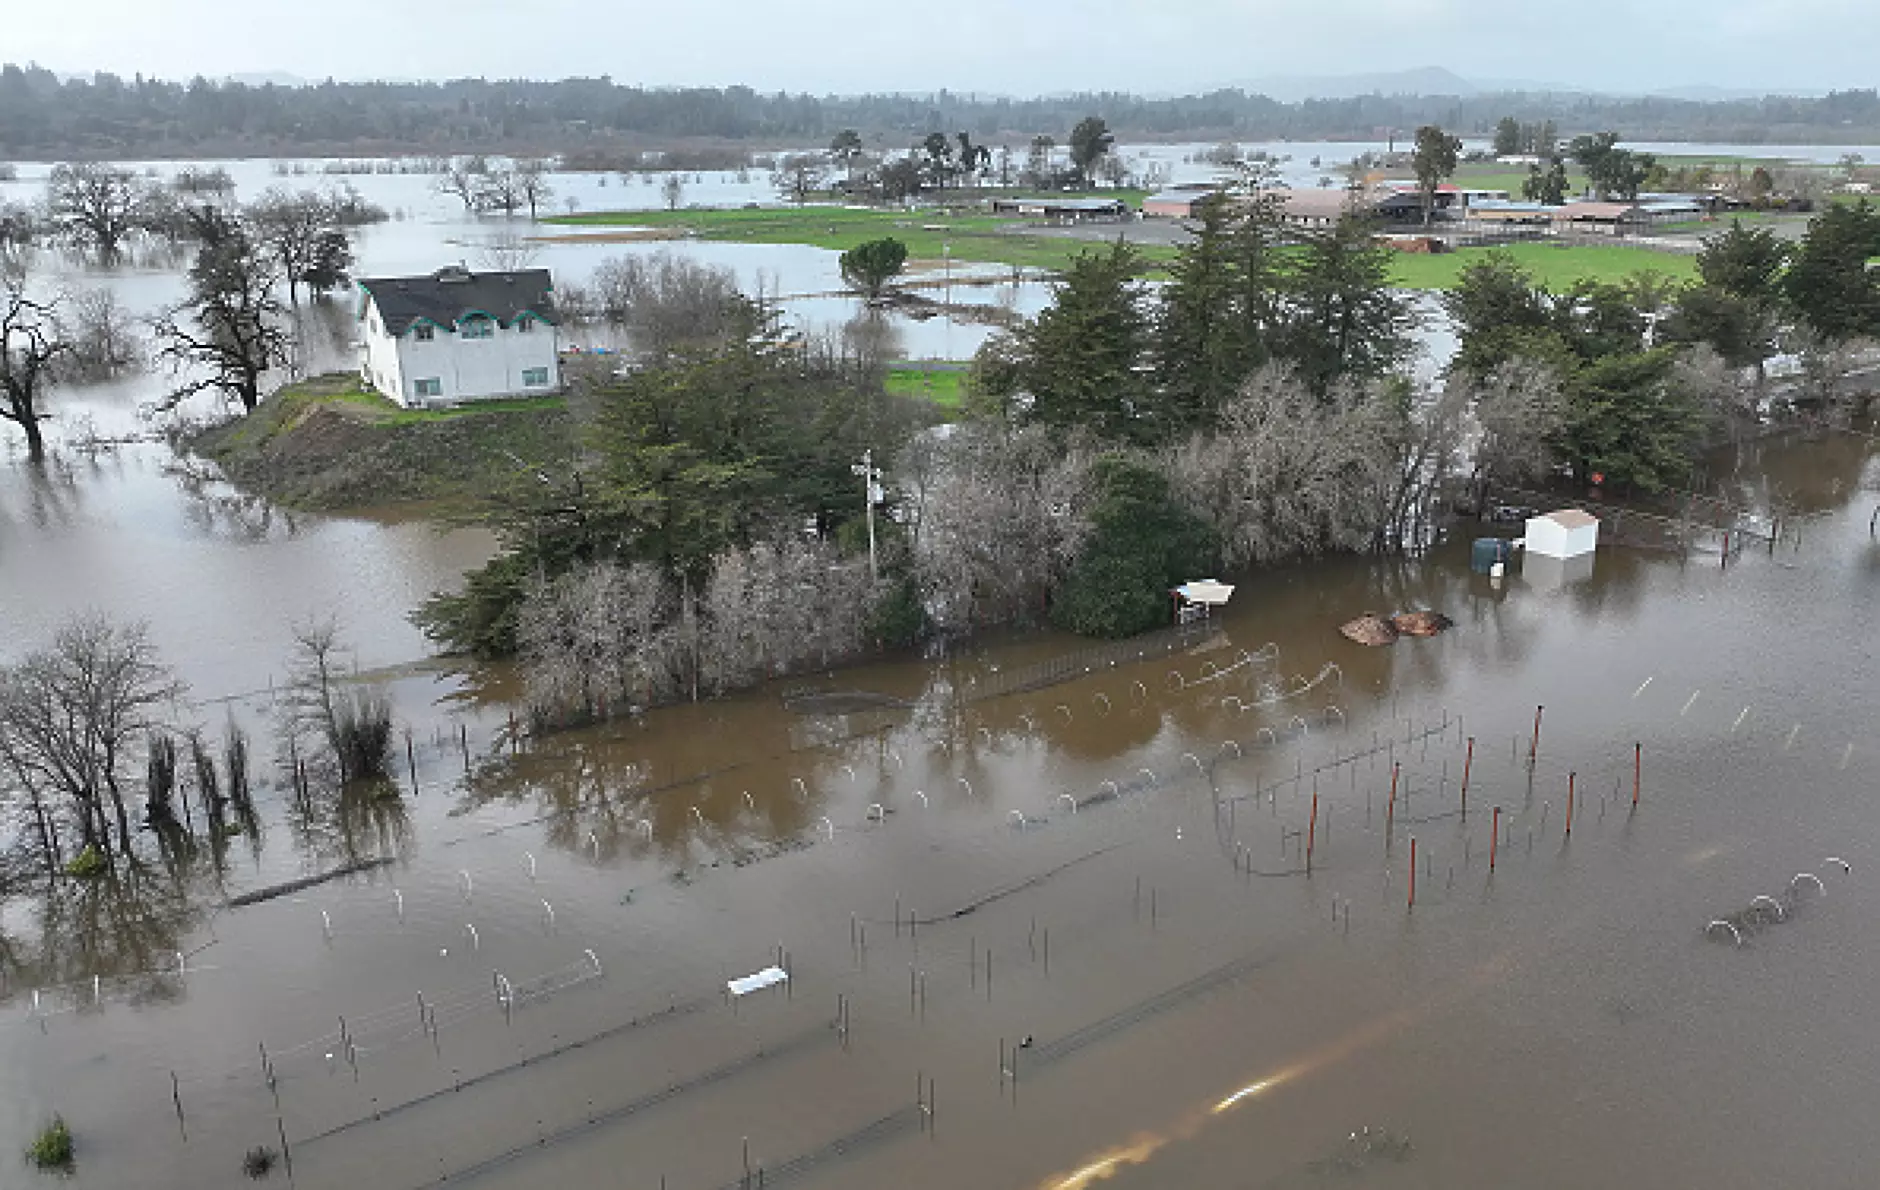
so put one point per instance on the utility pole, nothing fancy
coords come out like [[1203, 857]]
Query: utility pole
[[870, 492]]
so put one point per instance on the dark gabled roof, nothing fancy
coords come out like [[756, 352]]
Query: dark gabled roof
[[447, 296]]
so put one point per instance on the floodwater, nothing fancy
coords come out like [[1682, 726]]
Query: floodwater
[[533, 995], [1111, 866]]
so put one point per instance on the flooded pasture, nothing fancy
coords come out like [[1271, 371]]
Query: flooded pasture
[[1045, 905], [1054, 912]]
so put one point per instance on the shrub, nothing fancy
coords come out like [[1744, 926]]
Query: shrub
[[52, 1148], [87, 864], [259, 1162]]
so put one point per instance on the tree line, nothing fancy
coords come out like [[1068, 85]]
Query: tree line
[[109, 116]]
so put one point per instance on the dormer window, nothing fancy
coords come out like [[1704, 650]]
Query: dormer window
[[424, 332], [524, 325], [477, 327]]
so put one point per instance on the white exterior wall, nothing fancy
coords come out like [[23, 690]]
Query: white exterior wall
[[1549, 538], [378, 364], [466, 369]]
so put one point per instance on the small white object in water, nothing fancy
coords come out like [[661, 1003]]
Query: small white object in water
[[443, 952], [1178, 833]]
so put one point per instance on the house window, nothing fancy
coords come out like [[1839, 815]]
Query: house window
[[424, 332], [478, 328], [535, 377], [429, 387], [524, 325]]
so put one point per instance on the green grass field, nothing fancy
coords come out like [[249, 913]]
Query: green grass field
[[1555, 266], [942, 383], [929, 236], [983, 239]]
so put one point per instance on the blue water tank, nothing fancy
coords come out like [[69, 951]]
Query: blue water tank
[[1486, 551]]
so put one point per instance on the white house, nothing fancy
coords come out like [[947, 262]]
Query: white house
[[456, 336], [1567, 533]]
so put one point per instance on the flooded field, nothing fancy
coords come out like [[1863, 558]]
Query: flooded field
[[1150, 923], [1052, 912]]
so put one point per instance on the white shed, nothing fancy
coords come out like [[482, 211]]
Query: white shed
[[1564, 533]]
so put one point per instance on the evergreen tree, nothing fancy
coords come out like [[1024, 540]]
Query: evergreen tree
[[1342, 316], [1627, 421], [1141, 543], [1508, 139], [1829, 282], [1083, 355]]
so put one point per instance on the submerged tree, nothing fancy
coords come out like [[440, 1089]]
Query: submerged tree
[[323, 707], [31, 346], [97, 207], [73, 719], [229, 332]]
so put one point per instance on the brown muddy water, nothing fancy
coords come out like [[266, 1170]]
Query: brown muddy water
[[1110, 867]]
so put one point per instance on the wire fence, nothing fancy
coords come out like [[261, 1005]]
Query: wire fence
[[1080, 662]]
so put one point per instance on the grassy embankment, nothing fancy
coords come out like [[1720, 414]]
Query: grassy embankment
[[990, 240], [326, 444]]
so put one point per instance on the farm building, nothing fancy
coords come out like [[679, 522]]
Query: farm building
[[1316, 208], [1065, 210], [1176, 203], [1512, 213]]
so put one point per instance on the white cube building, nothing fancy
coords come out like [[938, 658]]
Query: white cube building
[[1564, 533]]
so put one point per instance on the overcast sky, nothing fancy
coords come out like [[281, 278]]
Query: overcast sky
[[1006, 46]]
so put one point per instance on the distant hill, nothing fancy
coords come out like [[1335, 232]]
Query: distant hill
[[1440, 80], [1422, 80]]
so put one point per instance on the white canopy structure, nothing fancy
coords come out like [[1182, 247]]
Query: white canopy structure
[[1206, 592]]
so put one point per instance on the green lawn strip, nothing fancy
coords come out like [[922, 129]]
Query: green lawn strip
[[943, 384], [344, 388], [1556, 266], [929, 235]]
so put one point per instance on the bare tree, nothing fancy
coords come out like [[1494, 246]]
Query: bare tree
[[533, 185], [501, 190], [1827, 366], [1287, 473], [288, 226], [1519, 412], [799, 175], [72, 718], [999, 516], [97, 207], [1733, 398], [322, 707], [672, 190], [778, 607], [505, 252], [595, 640], [31, 345], [666, 301], [228, 335], [462, 179], [104, 342]]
